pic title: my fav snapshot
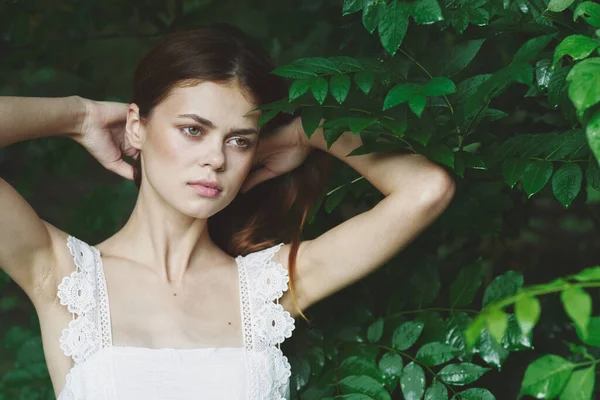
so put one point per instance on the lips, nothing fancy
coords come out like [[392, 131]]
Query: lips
[[207, 183], [204, 191]]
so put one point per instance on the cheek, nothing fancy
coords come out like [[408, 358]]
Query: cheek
[[164, 148]]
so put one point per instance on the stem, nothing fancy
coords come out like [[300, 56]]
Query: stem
[[467, 310], [539, 290], [428, 74], [556, 160], [418, 64]]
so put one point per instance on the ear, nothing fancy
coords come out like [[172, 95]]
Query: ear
[[136, 134]]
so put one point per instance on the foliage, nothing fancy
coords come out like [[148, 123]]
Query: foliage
[[504, 94]]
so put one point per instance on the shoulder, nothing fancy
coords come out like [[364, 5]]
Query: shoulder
[[268, 272], [59, 263]]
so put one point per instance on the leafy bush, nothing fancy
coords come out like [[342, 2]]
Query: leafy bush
[[504, 94]]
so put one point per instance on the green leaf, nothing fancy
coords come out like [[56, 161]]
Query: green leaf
[[318, 86], [566, 183], [439, 86], [293, 71], [466, 284], [592, 131], [358, 365], [365, 385], [567, 144], [456, 325], [589, 11], [592, 174], [588, 274], [474, 331], [474, 394], [535, 176], [497, 322], [461, 374], [406, 335], [359, 124], [266, 117], [437, 391], [364, 80], [372, 15], [311, 119], [417, 104], [543, 73], [527, 311], [521, 72], [412, 382], [593, 337], [580, 385], [440, 153], [559, 5], [396, 127], [375, 331], [391, 364], [352, 6], [318, 65], [515, 339], [503, 286], [531, 48], [584, 88], [576, 46], [546, 376], [346, 64], [426, 11], [340, 87], [435, 353], [393, 25], [460, 56], [332, 134], [578, 305], [557, 87], [401, 93], [491, 351], [298, 88], [335, 198], [512, 170]]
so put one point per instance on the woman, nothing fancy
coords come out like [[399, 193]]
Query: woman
[[173, 306]]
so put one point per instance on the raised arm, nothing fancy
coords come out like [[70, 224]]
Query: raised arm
[[417, 191], [26, 241], [30, 248]]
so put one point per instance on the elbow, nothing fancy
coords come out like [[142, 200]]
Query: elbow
[[438, 189]]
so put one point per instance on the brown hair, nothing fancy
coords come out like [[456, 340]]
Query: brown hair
[[275, 210]]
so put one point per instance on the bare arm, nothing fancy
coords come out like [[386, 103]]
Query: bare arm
[[417, 191], [26, 241]]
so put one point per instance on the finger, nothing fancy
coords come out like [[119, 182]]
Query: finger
[[120, 167], [256, 177]]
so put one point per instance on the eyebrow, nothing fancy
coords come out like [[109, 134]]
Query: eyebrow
[[204, 121]]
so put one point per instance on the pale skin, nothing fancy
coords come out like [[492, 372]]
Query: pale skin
[[169, 284]]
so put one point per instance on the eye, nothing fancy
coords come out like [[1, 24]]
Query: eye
[[242, 142], [192, 130]]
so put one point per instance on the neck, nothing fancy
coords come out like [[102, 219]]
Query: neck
[[165, 240]]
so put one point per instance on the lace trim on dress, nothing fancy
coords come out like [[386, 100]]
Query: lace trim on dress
[[85, 295], [78, 292], [269, 323]]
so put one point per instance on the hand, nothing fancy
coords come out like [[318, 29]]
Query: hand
[[102, 133], [278, 153]]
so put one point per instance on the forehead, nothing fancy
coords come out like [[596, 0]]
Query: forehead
[[224, 104]]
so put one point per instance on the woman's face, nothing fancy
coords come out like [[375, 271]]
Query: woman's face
[[200, 132]]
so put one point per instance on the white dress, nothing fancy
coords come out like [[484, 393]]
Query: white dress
[[256, 371]]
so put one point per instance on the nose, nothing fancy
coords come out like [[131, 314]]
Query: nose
[[213, 156]]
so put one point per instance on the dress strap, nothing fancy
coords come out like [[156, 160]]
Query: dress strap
[[267, 324], [79, 292]]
